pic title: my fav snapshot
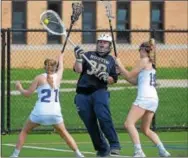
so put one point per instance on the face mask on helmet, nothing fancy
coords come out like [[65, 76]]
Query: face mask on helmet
[[104, 48]]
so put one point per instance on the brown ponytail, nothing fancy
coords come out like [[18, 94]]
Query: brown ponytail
[[151, 54], [50, 67], [149, 47]]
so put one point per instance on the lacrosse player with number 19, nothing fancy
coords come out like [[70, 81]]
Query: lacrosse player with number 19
[[146, 103]]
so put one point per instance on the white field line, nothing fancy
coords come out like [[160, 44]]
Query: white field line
[[44, 148], [160, 81], [54, 149], [15, 92], [122, 142]]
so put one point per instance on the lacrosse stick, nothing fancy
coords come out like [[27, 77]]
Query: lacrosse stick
[[77, 9], [53, 24], [108, 7]]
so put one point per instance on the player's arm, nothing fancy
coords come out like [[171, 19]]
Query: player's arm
[[30, 90], [60, 68], [78, 66], [78, 52], [133, 81], [113, 76], [131, 76]]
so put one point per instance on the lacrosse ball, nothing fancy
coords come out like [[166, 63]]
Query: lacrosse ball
[[46, 21]]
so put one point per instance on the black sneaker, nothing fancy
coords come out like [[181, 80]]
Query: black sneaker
[[103, 154], [114, 152]]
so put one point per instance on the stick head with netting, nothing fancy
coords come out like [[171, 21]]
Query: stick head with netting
[[108, 7], [52, 23], [77, 9]]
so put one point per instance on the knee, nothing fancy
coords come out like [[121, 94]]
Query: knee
[[128, 124], [25, 131], [145, 131]]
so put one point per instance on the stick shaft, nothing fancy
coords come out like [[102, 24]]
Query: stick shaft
[[65, 43], [113, 40]]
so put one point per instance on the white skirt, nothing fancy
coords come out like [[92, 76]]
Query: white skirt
[[149, 104], [46, 119]]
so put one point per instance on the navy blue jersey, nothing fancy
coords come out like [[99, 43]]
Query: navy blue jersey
[[88, 82]]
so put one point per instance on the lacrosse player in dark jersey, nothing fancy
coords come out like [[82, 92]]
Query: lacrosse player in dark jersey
[[92, 98]]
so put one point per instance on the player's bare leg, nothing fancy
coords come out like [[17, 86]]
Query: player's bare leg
[[145, 127], [134, 115], [68, 138], [22, 137]]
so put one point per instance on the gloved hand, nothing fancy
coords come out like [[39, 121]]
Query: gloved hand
[[78, 52], [102, 75]]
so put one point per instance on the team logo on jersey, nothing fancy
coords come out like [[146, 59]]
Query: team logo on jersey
[[102, 60]]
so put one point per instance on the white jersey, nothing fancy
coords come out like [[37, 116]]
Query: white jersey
[[146, 84], [48, 99]]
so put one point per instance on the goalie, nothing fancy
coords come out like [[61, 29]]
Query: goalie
[[92, 98]]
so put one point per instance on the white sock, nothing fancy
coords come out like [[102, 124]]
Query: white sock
[[78, 153], [137, 147], [16, 153], [160, 146]]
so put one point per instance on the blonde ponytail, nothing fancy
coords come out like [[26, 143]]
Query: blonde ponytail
[[50, 81]]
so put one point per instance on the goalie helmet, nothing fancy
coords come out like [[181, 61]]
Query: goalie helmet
[[103, 49]]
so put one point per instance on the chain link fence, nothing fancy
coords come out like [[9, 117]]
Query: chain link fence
[[25, 61]]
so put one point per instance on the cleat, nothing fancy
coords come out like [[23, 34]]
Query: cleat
[[164, 153], [139, 153], [12, 156], [79, 156], [114, 152], [103, 154]]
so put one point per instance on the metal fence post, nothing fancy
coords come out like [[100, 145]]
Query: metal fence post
[[3, 44], [8, 82]]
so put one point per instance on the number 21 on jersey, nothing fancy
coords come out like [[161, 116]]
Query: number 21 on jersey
[[47, 94]]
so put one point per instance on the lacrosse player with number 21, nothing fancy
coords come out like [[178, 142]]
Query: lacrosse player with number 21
[[47, 110], [92, 98]]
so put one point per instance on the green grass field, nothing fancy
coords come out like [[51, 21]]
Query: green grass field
[[38, 145]]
